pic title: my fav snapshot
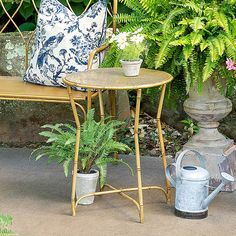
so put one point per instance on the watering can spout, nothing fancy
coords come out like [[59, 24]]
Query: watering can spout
[[226, 178]]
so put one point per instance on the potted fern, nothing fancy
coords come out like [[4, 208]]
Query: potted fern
[[97, 147]]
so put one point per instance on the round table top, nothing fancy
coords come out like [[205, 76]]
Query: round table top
[[113, 79]]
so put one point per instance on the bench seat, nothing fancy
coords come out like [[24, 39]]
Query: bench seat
[[14, 88]]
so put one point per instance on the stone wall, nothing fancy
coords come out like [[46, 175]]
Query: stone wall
[[20, 122]]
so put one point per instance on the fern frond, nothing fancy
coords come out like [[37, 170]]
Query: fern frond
[[195, 38], [196, 65], [187, 50], [181, 31], [184, 22], [190, 5], [170, 18], [219, 44], [208, 68], [133, 4], [184, 40], [197, 23], [153, 49], [203, 45], [230, 46], [187, 76], [164, 52], [213, 51], [222, 20], [125, 17], [150, 6]]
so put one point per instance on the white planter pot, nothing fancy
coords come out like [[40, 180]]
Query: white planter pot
[[85, 184], [131, 68]]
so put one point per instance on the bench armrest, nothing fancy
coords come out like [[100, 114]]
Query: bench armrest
[[93, 53]]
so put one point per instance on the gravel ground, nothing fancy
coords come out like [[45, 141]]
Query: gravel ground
[[148, 137]]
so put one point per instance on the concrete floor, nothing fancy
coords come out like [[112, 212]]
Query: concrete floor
[[37, 195]]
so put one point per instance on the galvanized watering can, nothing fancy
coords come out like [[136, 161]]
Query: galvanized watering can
[[192, 183]]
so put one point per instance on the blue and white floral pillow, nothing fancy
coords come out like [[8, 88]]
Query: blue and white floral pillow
[[64, 41]]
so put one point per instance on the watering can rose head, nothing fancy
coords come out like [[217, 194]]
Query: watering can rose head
[[130, 45]]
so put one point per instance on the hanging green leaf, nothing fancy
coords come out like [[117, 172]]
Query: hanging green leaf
[[187, 50]]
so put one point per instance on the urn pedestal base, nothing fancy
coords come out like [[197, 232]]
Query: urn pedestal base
[[208, 108], [211, 144]]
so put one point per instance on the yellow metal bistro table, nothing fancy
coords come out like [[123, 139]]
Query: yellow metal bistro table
[[113, 79]]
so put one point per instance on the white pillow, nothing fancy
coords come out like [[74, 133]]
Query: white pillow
[[63, 41]]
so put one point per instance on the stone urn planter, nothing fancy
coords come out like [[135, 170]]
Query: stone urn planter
[[208, 108]]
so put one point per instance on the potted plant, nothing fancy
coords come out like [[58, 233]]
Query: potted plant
[[97, 147], [129, 48]]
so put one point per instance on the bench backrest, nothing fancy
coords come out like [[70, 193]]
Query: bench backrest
[[11, 19]]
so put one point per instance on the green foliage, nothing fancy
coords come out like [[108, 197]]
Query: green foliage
[[27, 16], [132, 52], [192, 37], [5, 222], [190, 127], [97, 145]]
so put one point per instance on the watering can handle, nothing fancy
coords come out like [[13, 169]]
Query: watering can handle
[[182, 155], [168, 176]]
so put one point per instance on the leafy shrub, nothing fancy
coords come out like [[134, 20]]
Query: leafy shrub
[[191, 37]]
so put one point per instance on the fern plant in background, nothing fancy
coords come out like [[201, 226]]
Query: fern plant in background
[[193, 37], [97, 145], [5, 222]]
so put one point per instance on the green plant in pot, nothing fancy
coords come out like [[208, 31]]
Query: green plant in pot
[[97, 147], [129, 47]]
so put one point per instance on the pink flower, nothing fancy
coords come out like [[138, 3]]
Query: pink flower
[[230, 64]]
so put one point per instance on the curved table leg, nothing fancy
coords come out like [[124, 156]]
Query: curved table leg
[[75, 168], [163, 152], [112, 100], [137, 156], [89, 99], [101, 106]]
